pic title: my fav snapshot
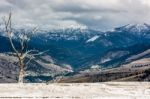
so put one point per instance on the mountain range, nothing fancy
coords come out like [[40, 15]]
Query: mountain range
[[73, 50]]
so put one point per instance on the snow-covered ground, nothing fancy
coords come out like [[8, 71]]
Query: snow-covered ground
[[111, 90]]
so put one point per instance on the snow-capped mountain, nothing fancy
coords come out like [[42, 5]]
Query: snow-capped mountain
[[70, 34], [83, 33], [138, 30], [135, 28]]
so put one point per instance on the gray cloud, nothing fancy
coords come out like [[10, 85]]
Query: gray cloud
[[77, 8], [100, 14]]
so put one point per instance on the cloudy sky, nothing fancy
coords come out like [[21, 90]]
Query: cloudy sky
[[99, 14]]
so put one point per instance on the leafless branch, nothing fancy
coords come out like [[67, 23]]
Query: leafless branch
[[9, 32], [39, 53], [32, 56]]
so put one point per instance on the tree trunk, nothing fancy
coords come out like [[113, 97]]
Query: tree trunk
[[21, 75], [21, 72]]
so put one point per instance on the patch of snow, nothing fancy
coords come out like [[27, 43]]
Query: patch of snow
[[105, 60], [92, 39], [95, 67]]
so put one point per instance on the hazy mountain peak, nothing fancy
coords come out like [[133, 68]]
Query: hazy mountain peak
[[134, 28], [138, 27]]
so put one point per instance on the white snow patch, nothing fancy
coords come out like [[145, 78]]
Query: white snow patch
[[92, 39], [105, 60], [95, 67]]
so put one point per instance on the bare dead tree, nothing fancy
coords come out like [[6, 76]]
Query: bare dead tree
[[21, 53]]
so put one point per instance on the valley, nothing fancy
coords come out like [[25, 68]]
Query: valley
[[136, 71]]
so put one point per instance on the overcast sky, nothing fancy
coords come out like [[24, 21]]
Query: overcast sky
[[99, 14]]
